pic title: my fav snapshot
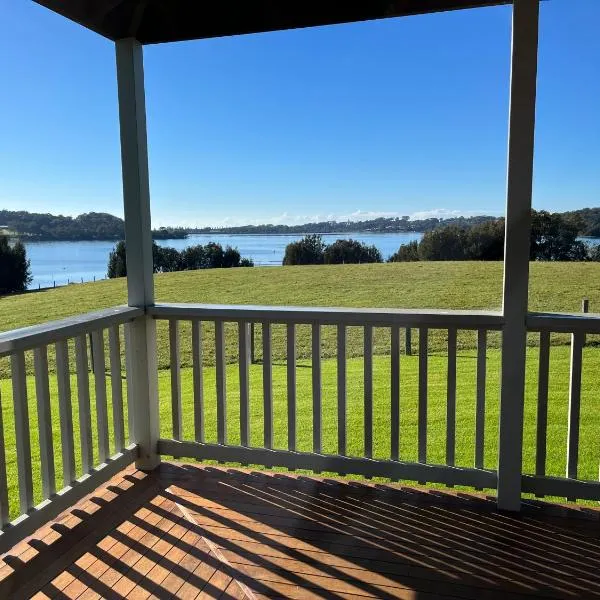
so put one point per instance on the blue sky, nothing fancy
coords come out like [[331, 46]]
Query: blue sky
[[397, 117]]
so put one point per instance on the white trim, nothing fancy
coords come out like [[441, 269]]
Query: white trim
[[516, 249]]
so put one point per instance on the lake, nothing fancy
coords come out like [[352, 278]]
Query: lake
[[64, 262]]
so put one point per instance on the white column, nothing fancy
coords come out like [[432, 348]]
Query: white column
[[138, 238], [516, 249]]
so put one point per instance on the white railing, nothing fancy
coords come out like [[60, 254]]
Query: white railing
[[318, 318], [91, 450], [92, 441], [428, 323]]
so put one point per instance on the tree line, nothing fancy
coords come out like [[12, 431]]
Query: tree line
[[169, 260], [87, 226], [554, 237]]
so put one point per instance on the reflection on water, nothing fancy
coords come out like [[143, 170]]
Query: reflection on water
[[64, 262]]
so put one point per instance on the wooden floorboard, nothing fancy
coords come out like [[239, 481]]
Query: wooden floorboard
[[191, 532]]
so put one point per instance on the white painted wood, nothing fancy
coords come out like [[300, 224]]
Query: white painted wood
[[377, 317], [63, 379], [100, 389], [395, 393], [26, 524], [563, 323], [116, 386], [198, 377], [451, 399], [480, 398], [560, 487], [316, 387], [341, 390], [542, 404], [291, 385], [267, 385], [29, 338], [144, 391], [368, 390], [422, 410], [42, 393], [330, 462], [83, 397], [221, 381], [516, 249], [175, 378], [577, 340], [22, 440], [138, 236], [4, 508], [244, 369], [128, 380]]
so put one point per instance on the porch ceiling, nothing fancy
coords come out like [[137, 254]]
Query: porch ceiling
[[155, 21]]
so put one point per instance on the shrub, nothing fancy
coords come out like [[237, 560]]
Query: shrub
[[350, 251], [307, 251]]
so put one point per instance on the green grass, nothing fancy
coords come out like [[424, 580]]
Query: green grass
[[460, 285], [554, 287], [557, 413]]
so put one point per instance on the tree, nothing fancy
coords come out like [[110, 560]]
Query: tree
[[15, 268], [485, 241], [307, 251], [117, 265], [554, 237], [406, 253], [448, 243], [350, 251], [231, 257]]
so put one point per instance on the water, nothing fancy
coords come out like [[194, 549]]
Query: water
[[67, 262]]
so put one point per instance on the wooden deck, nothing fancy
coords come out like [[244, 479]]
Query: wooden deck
[[188, 531]]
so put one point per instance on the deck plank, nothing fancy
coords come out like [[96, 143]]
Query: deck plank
[[191, 531]]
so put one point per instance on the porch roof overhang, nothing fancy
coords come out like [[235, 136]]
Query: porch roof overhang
[[156, 21]]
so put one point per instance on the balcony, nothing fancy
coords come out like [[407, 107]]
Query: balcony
[[311, 475]]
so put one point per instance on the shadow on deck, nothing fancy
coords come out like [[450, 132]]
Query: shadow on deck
[[187, 531]]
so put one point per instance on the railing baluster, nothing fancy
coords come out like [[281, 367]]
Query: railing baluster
[[4, 508], [100, 385], [291, 385], [316, 386], [480, 398], [198, 377], [574, 405], [23, 443], [395, 393], [244, 353], [341, 388], [129, 379], [175, 378], [83, 396], [114, 342], [220, 366], [267, 385], [542, 404], [368, 390], [422, 429], [63, 378], [42, 393], [451, 400]]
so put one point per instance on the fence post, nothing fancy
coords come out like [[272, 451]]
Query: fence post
[[138, 236], [516, 250], [585, 308], [252, 340], [408, 341]]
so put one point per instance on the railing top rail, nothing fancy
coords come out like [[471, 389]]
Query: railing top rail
[[52, 331], [465, 319], [564, 322]]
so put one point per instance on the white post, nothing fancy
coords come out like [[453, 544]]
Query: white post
[[138, 237], [516, 249]]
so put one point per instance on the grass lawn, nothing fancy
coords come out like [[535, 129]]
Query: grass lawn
[[557, 414], [452, 285], [554, 287]]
